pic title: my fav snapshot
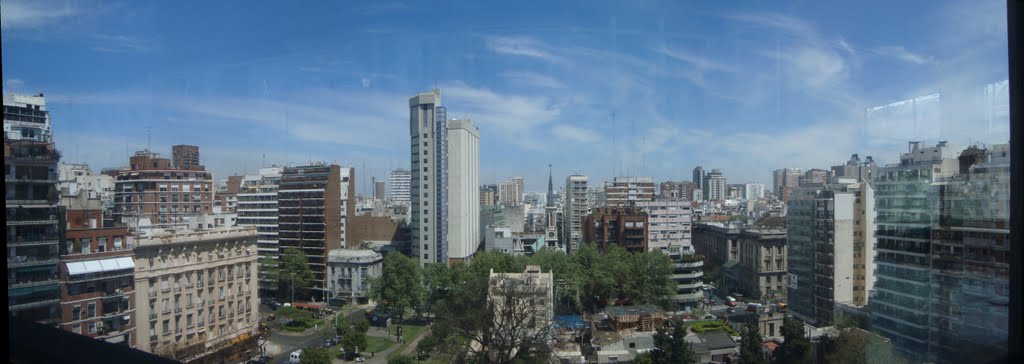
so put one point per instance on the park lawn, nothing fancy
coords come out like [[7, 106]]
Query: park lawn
[[377, 344], [409, 333]]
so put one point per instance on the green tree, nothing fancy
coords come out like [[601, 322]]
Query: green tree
[[671, 347], [617, 263], [652, 281], [355, 337], [597, 281], [315, 355], [294, 274], [750, 345], [569, 277], [796, 348], [399, 286]]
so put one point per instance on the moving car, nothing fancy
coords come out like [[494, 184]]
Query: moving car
[[294, 357]]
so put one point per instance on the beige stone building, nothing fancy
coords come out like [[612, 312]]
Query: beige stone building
[[196, 293]]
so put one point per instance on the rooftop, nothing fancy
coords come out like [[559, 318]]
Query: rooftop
[[616, 311]]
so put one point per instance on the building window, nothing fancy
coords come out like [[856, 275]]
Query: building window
[[167, 327], [92, 310], [92, 327], [77, 328]]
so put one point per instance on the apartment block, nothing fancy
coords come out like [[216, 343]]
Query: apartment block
[[152, 188], [428, 133], [861, 171], [531, 293], [576, 208], [699, 175], [463, 190], [98, 281], [623, 226], [33, 219], [905, 196], [309, 214], [831, 232], [258, 207], [669, 226], [186, 157], [715, 185], [197, 294], [400, 185], [627, 191], [783, 179], [970, 257]]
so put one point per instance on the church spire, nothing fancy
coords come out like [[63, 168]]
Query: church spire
[[551, 189]]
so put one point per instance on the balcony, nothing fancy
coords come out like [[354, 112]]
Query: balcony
[[152, 293], [152, 316], [28, 261], [177, 310], [165, 288], [177, 288]]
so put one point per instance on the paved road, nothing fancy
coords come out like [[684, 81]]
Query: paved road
[[282, 343]]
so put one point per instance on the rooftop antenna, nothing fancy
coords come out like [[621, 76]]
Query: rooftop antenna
[[614, 145], [149, 142]]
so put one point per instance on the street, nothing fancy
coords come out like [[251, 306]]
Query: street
[[283, 343]]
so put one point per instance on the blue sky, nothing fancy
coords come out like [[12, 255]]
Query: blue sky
[[601, 88]]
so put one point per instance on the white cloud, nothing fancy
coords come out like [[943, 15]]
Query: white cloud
[[14, 83], [697, 61], [532, 79], [902, 54], [524, 47], [18, 14], [575, 134], [119, 43], [507, 112]]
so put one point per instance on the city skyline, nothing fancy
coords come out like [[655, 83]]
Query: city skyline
[[745, 91]]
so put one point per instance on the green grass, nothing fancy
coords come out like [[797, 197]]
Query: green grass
[[709, 326], [377, 344], [409, 333]]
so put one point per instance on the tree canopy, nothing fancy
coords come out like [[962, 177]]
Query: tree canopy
[[400, 286]]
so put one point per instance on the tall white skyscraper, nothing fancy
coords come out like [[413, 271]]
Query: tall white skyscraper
[[463, 189], [576, 207], [714, 185], [428, 131], [753, 191], [400, 185]]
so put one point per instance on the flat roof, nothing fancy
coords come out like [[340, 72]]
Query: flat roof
[[616, 311]]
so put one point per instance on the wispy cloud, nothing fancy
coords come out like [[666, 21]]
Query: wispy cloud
[[532, 79], [902, 54], [14, 83], [524, 47], [119, 43], [19, 14], [575, 134], [700, 63]]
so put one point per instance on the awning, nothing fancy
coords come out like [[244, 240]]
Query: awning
[[116, 339], [98, 266], [75, 268]]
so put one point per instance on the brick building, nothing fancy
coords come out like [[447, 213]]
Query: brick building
[[623, 226]]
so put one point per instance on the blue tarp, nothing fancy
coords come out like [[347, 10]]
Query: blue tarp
[[569, 322]]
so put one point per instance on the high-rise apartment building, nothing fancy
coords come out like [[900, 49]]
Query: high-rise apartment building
[[196, 294], [715, 185], [698, 181], [186, 157], [429, 184], [785, 178], [510, 193], [905, 200], [520, 189], [669, 225], [488, 195], [627, 191], [970, 258], [151, 188], [400, 179], [831, 231], [257, 207], [378, 189], [309, 208], [33, 214], [576, 209], [463, 190], [753, 191]]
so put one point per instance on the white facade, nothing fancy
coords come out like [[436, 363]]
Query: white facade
[[576, 207], [347, 178], [714, 184], [463, 189], [78, 179], [25, 118], [753, 191], [400, 185], [348, 270], [669, 226]]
